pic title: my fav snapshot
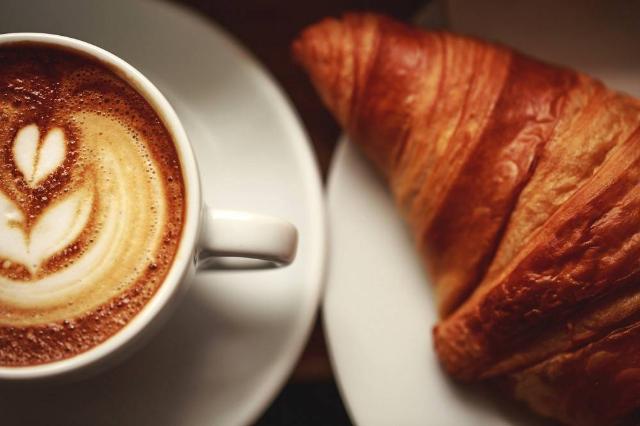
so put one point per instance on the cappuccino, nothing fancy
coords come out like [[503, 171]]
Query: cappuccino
[[92, 203]]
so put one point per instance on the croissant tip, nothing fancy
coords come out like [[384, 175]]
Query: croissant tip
[[324, 50], [314, 41]]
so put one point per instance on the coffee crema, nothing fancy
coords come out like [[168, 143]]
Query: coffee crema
[[92, 203]]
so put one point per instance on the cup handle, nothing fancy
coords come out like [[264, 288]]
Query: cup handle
[[239, 240]]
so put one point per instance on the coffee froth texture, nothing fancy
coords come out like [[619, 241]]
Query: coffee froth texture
[[92, 203]]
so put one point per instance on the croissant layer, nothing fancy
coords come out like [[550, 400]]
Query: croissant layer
[[520, 181]]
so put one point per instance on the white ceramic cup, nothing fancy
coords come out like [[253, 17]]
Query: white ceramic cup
[[211, 239]]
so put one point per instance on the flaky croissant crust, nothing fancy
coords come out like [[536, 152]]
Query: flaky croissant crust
[[520, 181]]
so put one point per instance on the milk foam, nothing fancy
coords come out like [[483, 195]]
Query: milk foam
[[128, 234], [37, 161], [91, 204], [55, 230]]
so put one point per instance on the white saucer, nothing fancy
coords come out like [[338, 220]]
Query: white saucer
[[378, 308], [232, 343]]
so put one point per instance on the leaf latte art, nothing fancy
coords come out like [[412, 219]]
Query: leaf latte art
[[91, 204]]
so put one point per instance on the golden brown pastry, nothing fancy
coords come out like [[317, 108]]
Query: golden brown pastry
[[521, 183]]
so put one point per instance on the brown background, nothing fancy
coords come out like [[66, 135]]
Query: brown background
[[267, 27]]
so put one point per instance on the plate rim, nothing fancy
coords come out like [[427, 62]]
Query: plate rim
[[332, 180]]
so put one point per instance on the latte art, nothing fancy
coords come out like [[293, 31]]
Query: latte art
[[91, 204], [57, 227]]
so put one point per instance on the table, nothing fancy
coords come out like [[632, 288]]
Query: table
[[267, 28]]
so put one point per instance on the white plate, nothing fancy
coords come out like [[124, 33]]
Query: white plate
[[220, 359], [378, 308]]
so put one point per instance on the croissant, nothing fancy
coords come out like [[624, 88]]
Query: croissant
[[520, 182]]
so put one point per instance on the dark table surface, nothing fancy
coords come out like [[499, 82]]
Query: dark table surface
[[267, 27]]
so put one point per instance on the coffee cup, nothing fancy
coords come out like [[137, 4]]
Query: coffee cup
[[207, 238]]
